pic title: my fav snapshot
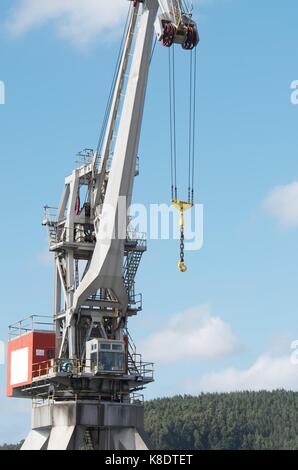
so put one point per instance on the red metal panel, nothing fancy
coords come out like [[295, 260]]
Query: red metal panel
[[42, 343], [41, 346]]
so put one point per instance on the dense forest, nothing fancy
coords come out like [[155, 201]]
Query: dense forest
[[244, 420], [11, 446]]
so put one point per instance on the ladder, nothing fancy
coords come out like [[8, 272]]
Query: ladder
[[131, 265]]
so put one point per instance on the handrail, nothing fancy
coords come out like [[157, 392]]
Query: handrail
[[29, 324], [132, 398], [78, 367]]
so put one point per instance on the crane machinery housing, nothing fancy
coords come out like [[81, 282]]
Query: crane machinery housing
[[80, 368]]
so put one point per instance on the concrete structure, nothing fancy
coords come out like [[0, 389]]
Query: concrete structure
[[86, 425]]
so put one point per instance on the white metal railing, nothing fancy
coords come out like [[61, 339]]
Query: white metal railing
[[84, 157], [31, 323], [77, 367]]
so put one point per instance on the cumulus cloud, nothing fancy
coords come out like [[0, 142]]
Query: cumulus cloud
[[194, 334], [267, 373], [79, 21], [282, 203]]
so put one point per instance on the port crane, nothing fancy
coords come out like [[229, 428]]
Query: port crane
[[84, 378]]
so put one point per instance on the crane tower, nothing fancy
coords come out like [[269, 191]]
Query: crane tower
[[80, 368]]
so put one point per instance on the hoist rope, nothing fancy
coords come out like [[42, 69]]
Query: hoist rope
[[114, 80], [174, 123], [194, 124], [171, 127], [190, 129], [191, 124], [187, 6], [173, 144]]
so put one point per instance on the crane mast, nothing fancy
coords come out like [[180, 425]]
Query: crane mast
[[93, 367]]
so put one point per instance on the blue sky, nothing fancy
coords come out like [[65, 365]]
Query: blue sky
[[236, 307]]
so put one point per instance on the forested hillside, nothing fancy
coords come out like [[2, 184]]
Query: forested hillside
[[244, 420], [11, 446]]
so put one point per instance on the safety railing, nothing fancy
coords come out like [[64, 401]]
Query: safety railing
[[77, 367], [50, 215], [136, 366], [31, 323], [80, 234], [50, 221], [58, 233], [60, 366], [132, 349], [46, 398], [137, 399], [84, 157], [135, 302], [134, 235]]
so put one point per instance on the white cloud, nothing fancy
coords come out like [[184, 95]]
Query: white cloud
[[267, 373], [79, 21], [282, 203], [194, 334]]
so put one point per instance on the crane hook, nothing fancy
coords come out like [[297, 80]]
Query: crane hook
[[182, 207]]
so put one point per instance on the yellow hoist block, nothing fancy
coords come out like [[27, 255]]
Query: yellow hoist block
[[182, 206]]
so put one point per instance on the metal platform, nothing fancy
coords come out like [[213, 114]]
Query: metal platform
[[78, 379]]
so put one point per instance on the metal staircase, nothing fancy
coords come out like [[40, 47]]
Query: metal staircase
[[131, 352], [135, 246], [130, 269]]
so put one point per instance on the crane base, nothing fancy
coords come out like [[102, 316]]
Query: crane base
[[87, 425]]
